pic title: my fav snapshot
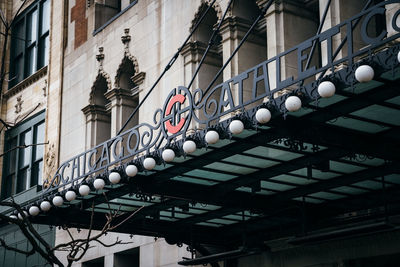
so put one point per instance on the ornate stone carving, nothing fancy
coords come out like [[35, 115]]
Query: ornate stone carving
[[126, 38], [45, 88], [201, 9], [130, 57], [50, 161], [18, 106]]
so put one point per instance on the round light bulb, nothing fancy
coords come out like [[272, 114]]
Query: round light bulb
[[84, 190], [326, 89], [189, 146], [364, 73], [236, 126], [34, 211], [58, 201], [99, 184], [149, 163], [263, 115], [293, 103], [131, 170], [114, 177], [168, 155], [45, 206], [70, 195], [20, 215], [212, 137]]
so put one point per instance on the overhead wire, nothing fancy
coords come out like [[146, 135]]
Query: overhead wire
[[170, 63], [262, 13], [211, 42], [345, 39], [321, 24]]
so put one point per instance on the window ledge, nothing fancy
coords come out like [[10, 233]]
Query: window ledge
[[102, 27], [26, 82]]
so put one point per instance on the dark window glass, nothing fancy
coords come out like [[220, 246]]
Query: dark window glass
[[43, 59], [19, 38], [12, 157], [31, 28], [23, 166], [22, 181], [30, 41], [24, 153], [30, 61], [45, 17], [37, 173]]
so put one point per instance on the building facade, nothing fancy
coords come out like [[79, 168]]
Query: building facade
[[77, 69]]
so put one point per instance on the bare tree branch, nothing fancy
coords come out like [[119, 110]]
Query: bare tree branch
[[23, 146], [17, 13], [29, 232], [27, 253], [7, 29], [76, 248], [3, 18]]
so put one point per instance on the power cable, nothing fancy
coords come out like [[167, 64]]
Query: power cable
[[321, 24], [263, 11], [210, 44], [170, 63], [345, 39]]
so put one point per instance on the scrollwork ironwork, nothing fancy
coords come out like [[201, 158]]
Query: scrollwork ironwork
[[182, 109]]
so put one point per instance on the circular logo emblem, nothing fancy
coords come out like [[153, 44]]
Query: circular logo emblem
[[177, 111]]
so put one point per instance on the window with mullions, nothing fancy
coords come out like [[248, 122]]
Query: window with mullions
[[30, 41], [23, 166]]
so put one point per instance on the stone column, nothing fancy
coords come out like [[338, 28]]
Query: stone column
[[252, 52], [192, 54], [287, 23], [122, 104], [339, 11], [97, 125]]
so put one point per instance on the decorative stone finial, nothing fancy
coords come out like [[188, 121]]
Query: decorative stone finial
[[100, 57], [18, 106], [126, 38]]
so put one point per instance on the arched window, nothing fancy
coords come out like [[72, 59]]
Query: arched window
[[195, 49], [124, 97]]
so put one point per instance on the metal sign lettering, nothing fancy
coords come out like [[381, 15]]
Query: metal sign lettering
[[182, 107]]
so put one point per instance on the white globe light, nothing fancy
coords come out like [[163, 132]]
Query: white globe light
[[212, 137], [293, 103], [236, 126], [263, 115], [168, 155], [70, 195], [189, 146], [149, 163], [13, 217], [84, 190], [58, 201], [99, 184], [364, 73], [45, 205], [114, 177], [34, 211], [131, 170], [398, 57], [20, 215], [326, 89]]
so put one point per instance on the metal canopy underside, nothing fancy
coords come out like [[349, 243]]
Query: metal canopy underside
[[329, 170], [334, 163]]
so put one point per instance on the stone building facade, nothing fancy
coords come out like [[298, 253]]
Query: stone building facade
[[102, 57]]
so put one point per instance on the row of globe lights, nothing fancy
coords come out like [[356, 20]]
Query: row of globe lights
[[326, 89]]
